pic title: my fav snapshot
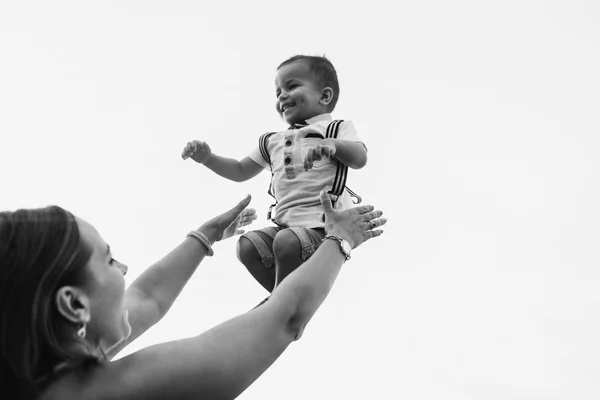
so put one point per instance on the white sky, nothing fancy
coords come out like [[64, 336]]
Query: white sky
[[482, 122]]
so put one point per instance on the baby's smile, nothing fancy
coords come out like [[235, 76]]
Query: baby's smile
[[287, 106]]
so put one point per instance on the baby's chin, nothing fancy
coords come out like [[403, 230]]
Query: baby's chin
[[287, 120], [293, 120]]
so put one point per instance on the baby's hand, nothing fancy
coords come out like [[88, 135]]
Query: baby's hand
[[197, 151], [324, 149]]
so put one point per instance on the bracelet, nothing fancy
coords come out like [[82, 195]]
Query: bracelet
[[345, 247], [201, 237]]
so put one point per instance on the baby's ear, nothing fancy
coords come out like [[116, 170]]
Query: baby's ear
[[326, 96]]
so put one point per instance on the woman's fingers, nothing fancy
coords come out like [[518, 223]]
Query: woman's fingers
[[243, 203], [244, 215], [371, 234], [371, 215], [376, 223], [357, 224], [235, 218], [247, 216], [363, 209], [237, 211], [326, 202]]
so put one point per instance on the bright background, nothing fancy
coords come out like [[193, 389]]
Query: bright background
[[482, 122]]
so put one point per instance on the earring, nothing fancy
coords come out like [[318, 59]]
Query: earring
[[81, 331]]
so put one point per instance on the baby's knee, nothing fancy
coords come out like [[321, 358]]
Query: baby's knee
[[245, 251], [286, 244]]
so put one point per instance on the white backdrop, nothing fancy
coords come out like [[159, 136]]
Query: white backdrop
[[482, 124]]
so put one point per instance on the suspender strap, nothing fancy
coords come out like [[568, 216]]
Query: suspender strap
[[341, 173], [263, 144]]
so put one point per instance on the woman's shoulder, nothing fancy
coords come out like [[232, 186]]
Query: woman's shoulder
[[130, 378], [85, 382]]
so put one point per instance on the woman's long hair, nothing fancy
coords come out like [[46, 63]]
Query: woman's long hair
[[41, 250]]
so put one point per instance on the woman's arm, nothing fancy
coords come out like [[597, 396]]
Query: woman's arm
[[152, 294], [222, 362]]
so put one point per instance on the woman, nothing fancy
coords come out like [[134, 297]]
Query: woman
[[64, 310]]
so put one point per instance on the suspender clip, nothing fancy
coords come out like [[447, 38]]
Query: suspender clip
[[270, 212]]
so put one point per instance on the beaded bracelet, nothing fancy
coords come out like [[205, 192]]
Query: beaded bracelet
[[201, 237]]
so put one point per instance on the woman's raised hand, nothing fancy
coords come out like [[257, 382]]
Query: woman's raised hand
[[230, 222], [356, 225]]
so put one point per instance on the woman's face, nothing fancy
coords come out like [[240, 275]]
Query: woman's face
[[105, 287]]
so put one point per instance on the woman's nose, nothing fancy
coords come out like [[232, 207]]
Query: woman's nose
[[124, 268]]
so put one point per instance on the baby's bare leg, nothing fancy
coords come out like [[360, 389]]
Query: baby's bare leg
[[248, 255]]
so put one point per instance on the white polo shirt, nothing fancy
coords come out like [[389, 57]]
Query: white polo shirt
[[297, 191]]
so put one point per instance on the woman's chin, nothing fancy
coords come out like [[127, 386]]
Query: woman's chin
[[126, 325], [124, 334]]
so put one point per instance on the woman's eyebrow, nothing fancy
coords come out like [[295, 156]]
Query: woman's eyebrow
[[107, 250]]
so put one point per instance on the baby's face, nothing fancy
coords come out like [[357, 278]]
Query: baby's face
[[299, 95]]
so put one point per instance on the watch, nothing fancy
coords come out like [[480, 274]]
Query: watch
[[345, 247]]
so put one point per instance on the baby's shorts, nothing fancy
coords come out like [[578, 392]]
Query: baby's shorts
[[310, 239]]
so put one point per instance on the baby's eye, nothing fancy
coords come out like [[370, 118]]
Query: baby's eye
[[293, 86]]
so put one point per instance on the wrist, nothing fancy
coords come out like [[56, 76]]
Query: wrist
[[208, 160], [210, 231], [204, 240], [344, 246], [341, 234], [331, 143], [331, 247]]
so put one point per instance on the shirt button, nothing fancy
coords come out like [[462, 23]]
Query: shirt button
[[288, 142], [287, 160]]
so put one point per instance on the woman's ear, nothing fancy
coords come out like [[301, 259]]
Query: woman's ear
[[73, 304], [326, 96]]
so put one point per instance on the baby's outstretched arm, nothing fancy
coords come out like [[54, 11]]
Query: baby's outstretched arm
[[351, 153], [234, 170]]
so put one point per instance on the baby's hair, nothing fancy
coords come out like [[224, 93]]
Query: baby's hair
[[323, 69]]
